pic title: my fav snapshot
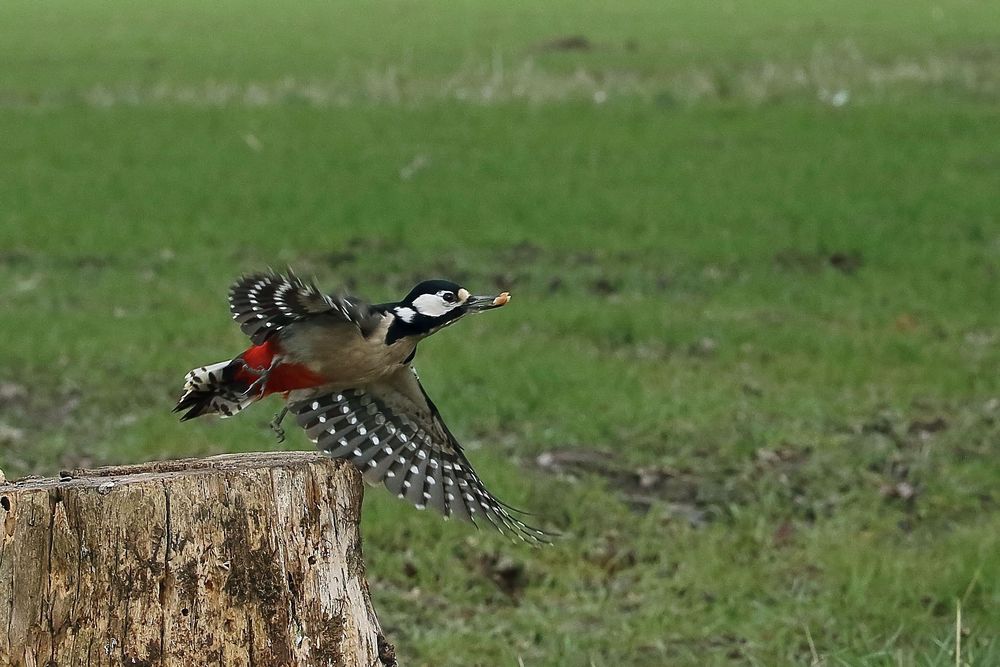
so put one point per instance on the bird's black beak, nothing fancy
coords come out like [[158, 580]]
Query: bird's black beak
[[477, 304]]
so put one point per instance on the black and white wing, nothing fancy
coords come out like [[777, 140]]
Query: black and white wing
[[263, 303], [394, 434]]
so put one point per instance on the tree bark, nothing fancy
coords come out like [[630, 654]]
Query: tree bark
[[237, 560]]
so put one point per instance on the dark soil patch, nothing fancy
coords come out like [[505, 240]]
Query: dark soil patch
[[847, 262], [567, 43], [641, 488]]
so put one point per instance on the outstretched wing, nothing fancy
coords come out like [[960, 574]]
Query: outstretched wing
[[393, 432], [263, 303]]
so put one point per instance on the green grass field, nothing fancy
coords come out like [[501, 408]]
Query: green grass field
[[750, 370]]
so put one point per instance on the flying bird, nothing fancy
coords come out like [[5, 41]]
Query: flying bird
[[344, 367]]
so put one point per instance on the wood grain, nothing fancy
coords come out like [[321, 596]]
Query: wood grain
[[236, 560]]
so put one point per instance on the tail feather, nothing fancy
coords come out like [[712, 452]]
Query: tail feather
[[214, 389]]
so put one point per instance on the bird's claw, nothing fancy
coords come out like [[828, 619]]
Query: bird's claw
[[262, 375], [276, 425]]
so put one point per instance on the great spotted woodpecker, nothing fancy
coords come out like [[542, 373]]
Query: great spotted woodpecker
[[344, 368]]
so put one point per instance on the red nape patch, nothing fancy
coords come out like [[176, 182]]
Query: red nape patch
[[284, 377]]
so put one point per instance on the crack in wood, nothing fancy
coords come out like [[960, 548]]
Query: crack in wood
[[55, 497], [165, 581]]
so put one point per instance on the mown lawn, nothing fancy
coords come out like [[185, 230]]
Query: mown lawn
[[750, 370]]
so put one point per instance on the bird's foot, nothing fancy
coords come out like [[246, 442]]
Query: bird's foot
[[276, 424], [260, 384]]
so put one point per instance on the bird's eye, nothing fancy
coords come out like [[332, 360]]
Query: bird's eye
[[449, 297]]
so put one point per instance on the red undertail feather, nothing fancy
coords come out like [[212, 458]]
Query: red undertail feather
[[228, 387]]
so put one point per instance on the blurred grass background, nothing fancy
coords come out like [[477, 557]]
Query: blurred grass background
[[750, 367]]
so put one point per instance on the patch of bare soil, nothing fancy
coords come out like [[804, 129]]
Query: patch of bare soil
[[566, 43], [641, 487], [847, 262]]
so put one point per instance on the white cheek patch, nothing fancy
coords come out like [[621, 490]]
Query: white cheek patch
[[405, 313], [431, 305]]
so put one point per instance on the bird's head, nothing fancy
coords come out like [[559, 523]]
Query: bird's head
[[434, 304]]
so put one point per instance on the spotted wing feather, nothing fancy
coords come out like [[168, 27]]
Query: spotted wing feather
[[393, 433], [265, 303]]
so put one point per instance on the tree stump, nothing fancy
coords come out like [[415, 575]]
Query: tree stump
[[250, 559]]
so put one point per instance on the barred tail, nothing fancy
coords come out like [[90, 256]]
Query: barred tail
[[215, 389]]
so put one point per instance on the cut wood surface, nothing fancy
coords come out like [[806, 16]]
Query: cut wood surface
[[251, 559]]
